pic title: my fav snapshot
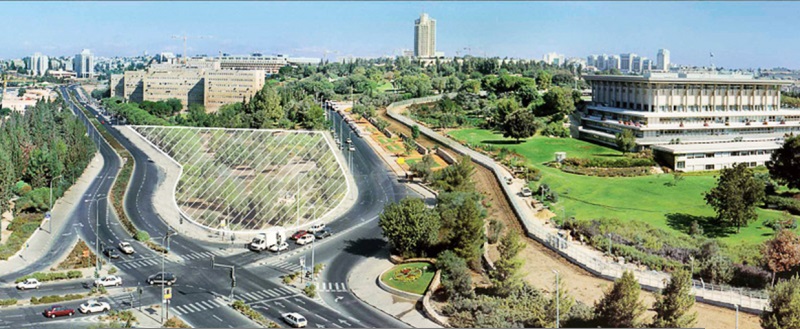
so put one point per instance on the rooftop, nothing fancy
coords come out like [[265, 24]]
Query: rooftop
[[717, 147], [688, 77]]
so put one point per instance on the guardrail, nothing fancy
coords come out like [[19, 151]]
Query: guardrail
[[590, 260]]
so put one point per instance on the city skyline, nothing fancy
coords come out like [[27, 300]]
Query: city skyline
[[364, 29]]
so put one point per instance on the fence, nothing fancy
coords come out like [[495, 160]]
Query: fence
[[588, 259]]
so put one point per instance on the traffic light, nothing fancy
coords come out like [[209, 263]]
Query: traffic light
[[212, 261]]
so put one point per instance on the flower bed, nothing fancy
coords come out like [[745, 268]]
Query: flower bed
[[410, 277]]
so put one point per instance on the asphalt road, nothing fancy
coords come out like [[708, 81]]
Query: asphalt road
[[199, 290]]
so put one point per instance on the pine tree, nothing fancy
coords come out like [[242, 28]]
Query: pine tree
[[784, 306], [676, 300], [620, 307], [506, 277]]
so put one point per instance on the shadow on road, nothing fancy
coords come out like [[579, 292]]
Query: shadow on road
[[372, 247]]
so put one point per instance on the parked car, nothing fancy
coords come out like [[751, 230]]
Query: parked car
[[324, 233], [308, 238], [107, 281], [316, 228], [167, 278], [298, 234], [58, 310], [93, 306], [279, 247], [126, 248], [295, 319], [509, 180], [29, 283], [526, 192], [111, 253]]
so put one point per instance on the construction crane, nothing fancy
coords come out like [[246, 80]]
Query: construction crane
[[185, 37]]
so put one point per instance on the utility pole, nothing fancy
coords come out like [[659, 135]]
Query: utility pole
[[233, 275], [558, 302], [165, 241], [737, 315], [50, 211], [96, 201]]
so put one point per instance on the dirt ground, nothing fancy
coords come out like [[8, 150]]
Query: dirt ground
[[540, 261]]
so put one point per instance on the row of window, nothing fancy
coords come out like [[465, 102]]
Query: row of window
[[682, 165]]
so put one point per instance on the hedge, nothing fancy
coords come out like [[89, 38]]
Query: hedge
[[8, 302], [623, 162], [51, 276], [783, 203], [55, 299], [253, 315]]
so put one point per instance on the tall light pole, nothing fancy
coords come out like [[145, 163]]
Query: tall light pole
[[96, 201], [737, 315], [50, 212], [558, 302], [165, 241]]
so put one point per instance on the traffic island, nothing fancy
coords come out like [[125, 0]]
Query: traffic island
[[409, 280]]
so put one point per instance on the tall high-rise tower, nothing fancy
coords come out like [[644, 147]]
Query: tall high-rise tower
[[425, 36], [39, 64], [84, 64], [663, 60]]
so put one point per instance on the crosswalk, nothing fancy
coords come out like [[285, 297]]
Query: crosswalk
[[147, 262], [332, 287], [284, 265], [200, 306], [205, 255], [253, 296]]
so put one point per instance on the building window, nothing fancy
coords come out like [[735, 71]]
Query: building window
[[680, 165], [753, 164], [709, 167]]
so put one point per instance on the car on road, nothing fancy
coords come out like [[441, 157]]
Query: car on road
[[111, 253], [298, 234], [352, 148], [29, 283], [349, 141], [526, 192], [107, 281], [295, 320], [509, 180], [58, 310], [165, 277], [306, 239], [279, 247], [93, 306], [126, 248], [324, 233], [316, 228]]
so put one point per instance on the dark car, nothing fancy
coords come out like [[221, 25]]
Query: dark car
[[324, 233], [111, 253], [298, 234], [167, 278], [58, 310]]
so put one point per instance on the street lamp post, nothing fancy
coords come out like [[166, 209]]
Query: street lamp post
[[50, 221], [165, 241], [96, 201], [737, 315], [558, 302]]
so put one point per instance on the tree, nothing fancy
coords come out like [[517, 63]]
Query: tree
[[410, 226], [620, 306], [558, 101], [457, 177], [561, 304], [782, 253], [626, 140], [424, 168], [462, 225], [520, 124], [506, 277], [543, 80], [676, 300], [503, 108], [415, 131], [21, 92], [456, 279], [784, 306], [735, 196], [409, 145], [785, 164]]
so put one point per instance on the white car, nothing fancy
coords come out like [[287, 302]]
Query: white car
[[30, 283], [111, 280], [93, 306], [526, 192], [126, 248], [316, 228], [352, 148], [305, 239], [295, 319], [279, 247], [349, 141]]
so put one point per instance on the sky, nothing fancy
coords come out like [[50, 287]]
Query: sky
[[739, 34]]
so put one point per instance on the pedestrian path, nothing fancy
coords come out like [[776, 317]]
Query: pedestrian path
[[147, 262], [332, 287], [284, 265], [200, 306], [260, 295], [202, 255]]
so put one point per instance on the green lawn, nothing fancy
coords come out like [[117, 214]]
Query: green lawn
[[413, 161], [385, 86], [417, 286], [646, 198]]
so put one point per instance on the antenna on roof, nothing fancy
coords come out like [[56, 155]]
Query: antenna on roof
[[711, 60]]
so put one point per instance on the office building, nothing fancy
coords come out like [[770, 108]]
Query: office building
[[38, 64], [663, 60], [425, 36], [647, 64], [691, 120], [613, 62], [84, 64], [553, 58], [626, 62], [600, 63]]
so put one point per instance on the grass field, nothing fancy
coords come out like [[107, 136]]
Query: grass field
[[417, 286], [646, 198], [384, 87]]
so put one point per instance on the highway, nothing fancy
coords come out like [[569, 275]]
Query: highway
[[200, 290]]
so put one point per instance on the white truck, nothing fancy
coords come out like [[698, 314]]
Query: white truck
[[272, 236]]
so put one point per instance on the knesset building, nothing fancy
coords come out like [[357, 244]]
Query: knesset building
[[691, 120]]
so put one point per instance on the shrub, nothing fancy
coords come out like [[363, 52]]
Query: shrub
[[174, 322], [21, 188], [717, 269], [555, 129], [495, 229], [142, 236], [8, 302], [55, 299], [750, 276], [52, 276], [74, 274], [113, 270], [310, 291], [624, 162], [252, 314], [37, 200], [783, 203]]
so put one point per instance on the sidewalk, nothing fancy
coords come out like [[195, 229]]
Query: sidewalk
[[42, 241], [150, 316], [363, 282]]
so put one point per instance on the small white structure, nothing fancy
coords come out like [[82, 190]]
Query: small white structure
[[560, 156]]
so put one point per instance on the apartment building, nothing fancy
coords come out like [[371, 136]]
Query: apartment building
[[229, 86], [692, 120], [268, 64]]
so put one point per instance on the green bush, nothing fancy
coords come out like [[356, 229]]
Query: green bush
[[55, 298], [8, 302], [142, 236], [21, 188], [74, 274], [310, 290], [37, 200], [51, 276], [783, 203], [495, 229], [623, 162]]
